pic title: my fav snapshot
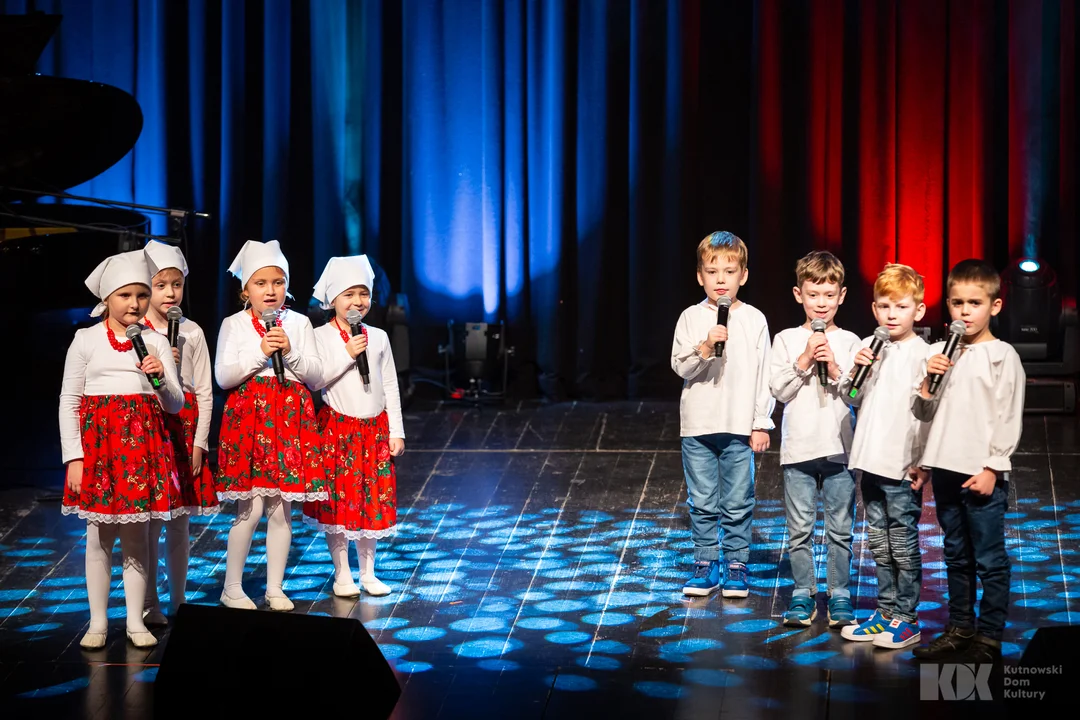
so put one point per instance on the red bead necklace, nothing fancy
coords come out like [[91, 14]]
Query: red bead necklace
[[259, 328], [116, 345], [344, 335]]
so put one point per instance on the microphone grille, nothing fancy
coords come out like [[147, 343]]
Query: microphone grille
[[882, 333], [957, 327], [133, 331], [818, 325], [174, 313], [723, 301], [353, 317], [269, 315]]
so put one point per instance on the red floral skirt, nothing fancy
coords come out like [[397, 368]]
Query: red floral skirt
[[360, 476], [197, 494], [269, 443], [129, 473]]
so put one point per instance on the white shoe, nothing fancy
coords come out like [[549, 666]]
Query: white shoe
[[346, 590], [279, 603], [241, 603], [141, 639], [154, 618], [93, 640], [375, 587]]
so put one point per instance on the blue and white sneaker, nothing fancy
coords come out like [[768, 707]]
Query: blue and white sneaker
[[706, 579], [801, 612], [866, 631], [898, 634], [840, 612], [736, 583]]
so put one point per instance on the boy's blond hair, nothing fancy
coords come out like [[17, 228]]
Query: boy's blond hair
[[724, 244], [898, 281], [975, 272], [819, 266], [169, 274]]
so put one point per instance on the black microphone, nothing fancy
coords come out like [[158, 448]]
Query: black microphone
[[353, 317], [134, 334], [957, 328], [723, 304], [881, 336], [819, 325], [174, 316], [270, 318]]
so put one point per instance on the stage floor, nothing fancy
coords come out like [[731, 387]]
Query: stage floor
[[537, 574]]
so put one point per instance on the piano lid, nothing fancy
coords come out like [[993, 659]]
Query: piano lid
[[55, 133]]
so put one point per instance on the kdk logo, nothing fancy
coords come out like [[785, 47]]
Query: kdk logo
[[955, 682]]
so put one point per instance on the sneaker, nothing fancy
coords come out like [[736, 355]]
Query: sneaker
[[840, 612], [948, 645], [982, 651], [866, 632], [706, 579], [735, 584], [898, 634], [801, 612]]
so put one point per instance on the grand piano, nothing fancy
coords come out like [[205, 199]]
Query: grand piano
[[55, 133]]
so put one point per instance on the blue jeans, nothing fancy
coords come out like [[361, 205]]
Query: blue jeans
[[719, 471], [974, 546], [893, 511], [837, 484]]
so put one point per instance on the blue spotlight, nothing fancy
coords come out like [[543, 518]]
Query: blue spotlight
[[1029, 266]]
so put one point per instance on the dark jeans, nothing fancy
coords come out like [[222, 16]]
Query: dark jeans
[[892, 519], [974, 545]]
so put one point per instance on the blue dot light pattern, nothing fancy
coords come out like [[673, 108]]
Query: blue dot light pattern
[[506, 570]]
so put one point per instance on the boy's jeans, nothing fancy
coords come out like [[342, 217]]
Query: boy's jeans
[[800, 503], [892, 520], [719, 471], [974, 545]]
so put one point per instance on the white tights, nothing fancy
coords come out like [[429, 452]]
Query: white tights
[[100, 538], [278, 539], [339, 553], [177, 545]]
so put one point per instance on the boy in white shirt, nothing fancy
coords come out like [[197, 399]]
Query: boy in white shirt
[[807, 365], [725, 415], [886, 449], [976, 416]]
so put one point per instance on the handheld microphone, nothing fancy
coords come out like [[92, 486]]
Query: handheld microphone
[[174, 316], [269, 317], [723, 304], [819, 325], [881, 336], [354, 318], [957, 328], [134, 334]]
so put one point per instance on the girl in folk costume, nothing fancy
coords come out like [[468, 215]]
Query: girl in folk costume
[[120, 468], [189, 429], [268, 454], [360, 424]]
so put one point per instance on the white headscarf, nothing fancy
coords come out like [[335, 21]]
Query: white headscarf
[[161, 256], [114, 272], [340, 274], [254, 256]]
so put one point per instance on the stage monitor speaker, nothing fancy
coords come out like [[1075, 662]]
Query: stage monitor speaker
[[221, 662], [1049, 665]]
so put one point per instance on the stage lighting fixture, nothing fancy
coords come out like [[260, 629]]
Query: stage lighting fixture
[[476, 362], [1041, 325], [1031, 317]]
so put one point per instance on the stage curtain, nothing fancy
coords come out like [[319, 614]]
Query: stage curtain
[[552, 165]]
